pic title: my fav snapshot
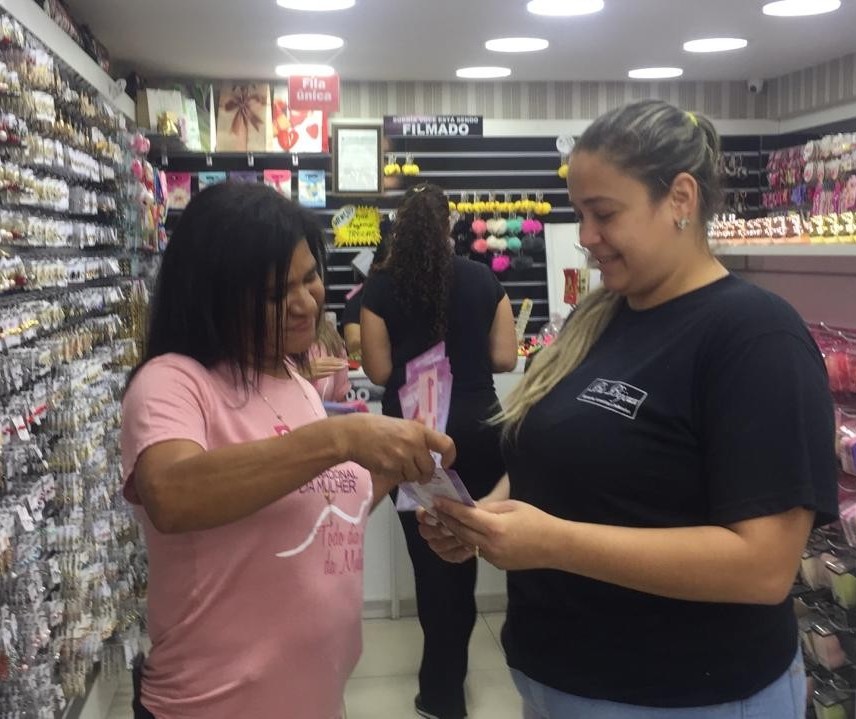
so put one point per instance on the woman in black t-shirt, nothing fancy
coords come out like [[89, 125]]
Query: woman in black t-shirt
[[421, 296], [667, 457]]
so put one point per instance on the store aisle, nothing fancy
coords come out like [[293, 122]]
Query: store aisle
[[384, 682]]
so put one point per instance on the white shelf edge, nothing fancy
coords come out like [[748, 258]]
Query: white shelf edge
[[31, 16], [785, 250]]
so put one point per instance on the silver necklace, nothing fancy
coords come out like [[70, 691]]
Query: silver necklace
[[327, 494]]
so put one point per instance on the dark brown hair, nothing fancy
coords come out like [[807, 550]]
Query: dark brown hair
[[421, 257]]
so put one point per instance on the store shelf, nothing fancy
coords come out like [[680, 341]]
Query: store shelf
[[32, 16], [796, 250]]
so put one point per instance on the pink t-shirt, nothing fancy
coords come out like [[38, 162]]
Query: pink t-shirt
[[260, 618]]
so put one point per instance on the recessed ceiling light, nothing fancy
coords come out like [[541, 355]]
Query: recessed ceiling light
[[302, 69], [799, 8], [564, 8], [716, 44], [655, 73], [482, 73], [517, 44], [316, 5], [310, 42]]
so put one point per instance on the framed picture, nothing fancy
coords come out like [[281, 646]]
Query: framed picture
[[357, 159]]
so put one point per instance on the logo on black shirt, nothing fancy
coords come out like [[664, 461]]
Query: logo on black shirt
[[618, 397]]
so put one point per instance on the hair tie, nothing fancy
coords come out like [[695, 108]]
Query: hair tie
[[693, 118]]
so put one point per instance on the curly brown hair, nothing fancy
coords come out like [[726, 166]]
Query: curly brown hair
[[421, 258]]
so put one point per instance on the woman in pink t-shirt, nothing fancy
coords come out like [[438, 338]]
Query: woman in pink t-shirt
[[253, 502]]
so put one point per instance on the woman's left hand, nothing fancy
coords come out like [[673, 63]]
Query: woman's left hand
[[510, 535]]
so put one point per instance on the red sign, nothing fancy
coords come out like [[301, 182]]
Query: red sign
[[313, 93]]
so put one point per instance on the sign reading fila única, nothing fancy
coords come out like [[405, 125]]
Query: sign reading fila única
[[313, 93], [433, 126]]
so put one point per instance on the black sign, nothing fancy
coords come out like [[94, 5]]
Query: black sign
[[432, 126]]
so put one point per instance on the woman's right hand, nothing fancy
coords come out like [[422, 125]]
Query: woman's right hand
[[444, 544], [324, 367], [394, 450]]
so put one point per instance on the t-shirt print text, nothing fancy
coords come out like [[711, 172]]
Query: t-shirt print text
[[618, 397]]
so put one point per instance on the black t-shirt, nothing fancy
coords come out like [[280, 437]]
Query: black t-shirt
[[474, 296], [709, 409], [351, 313]]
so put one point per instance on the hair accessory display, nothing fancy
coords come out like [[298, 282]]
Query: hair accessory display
[[72, 570]]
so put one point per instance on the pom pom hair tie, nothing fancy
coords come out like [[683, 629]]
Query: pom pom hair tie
[[514, 226], [479, 227], [500, 263], [532, 227], [524, 262], [480, 246]]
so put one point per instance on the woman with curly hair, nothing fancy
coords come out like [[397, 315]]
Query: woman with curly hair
[[421, 295]]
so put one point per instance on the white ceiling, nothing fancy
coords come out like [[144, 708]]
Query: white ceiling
[[428, 39]]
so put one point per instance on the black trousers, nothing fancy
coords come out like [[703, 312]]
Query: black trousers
[[140, 712], [445, 592]]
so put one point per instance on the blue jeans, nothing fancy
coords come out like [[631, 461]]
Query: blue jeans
[[785, 698]]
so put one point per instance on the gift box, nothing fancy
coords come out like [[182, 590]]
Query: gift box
[[244, 117], [296, 131]]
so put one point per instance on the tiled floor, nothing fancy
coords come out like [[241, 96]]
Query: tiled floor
[[384, 682]]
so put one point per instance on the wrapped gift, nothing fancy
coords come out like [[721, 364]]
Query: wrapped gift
[[247, 178], [296, 131], [207, 179], [311, 188], [244, 117], [279, 180], [153, 104], [178, 193]]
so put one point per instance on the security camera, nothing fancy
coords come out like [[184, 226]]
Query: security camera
[[755, 86]]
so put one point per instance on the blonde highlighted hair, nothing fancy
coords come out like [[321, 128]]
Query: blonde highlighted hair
[[328, 338], [552, 364]]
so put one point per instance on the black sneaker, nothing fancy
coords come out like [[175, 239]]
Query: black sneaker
[[423, 712]]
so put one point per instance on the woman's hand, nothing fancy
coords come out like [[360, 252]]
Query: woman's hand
[[394, 450], [324, 367], [444, 544], [509, 534]]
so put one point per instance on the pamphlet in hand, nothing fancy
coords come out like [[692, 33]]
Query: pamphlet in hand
[[427, 397]]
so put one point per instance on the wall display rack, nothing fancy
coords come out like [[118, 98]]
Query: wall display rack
[[72, 571]]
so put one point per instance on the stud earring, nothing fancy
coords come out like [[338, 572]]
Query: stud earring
[[683, 223]]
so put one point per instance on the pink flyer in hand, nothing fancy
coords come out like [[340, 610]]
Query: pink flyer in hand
[[434, 355], [444, 483], [427, 396]]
